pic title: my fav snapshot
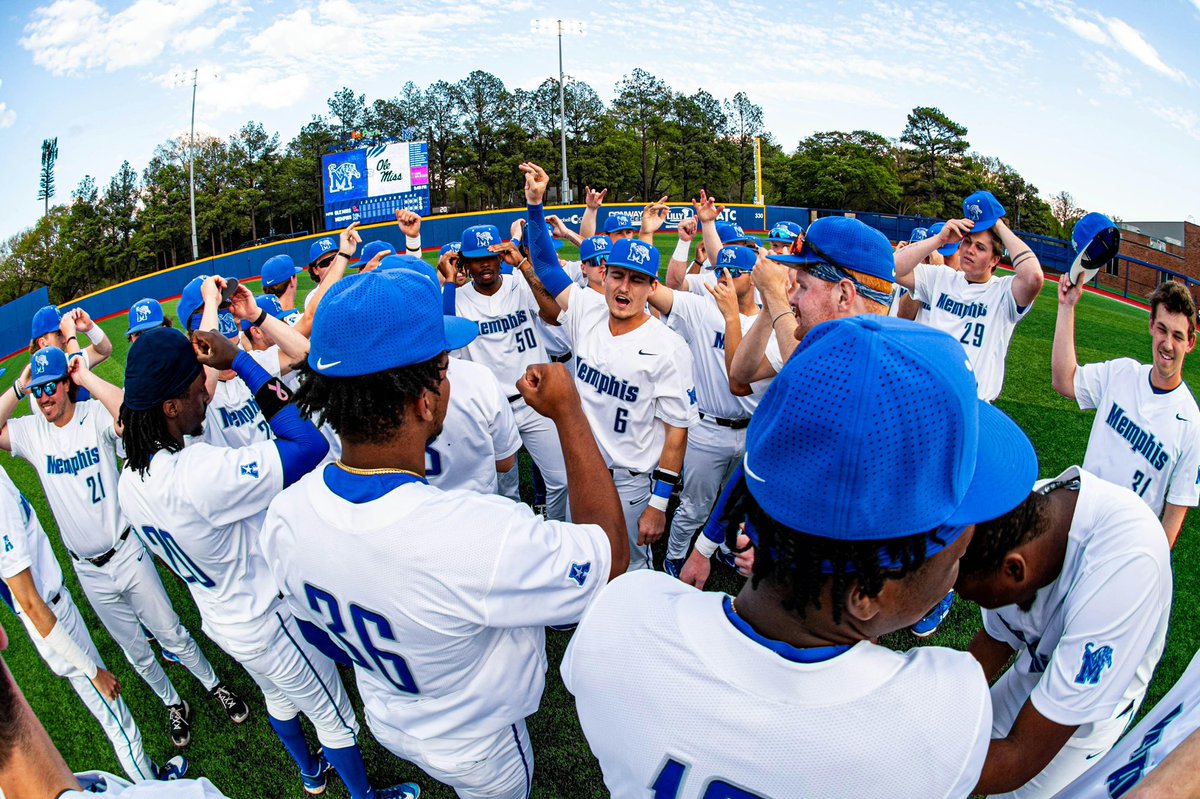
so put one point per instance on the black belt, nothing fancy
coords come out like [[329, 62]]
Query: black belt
[[514, 398], [560, 358], [105, 557], [732, 424]]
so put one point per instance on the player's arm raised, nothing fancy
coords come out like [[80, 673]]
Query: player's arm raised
[[707, 210], [909, 256], [541, 247], [594, 199], [563, 232], [677, 267], [409, 223], [1063, 360], [654, 216], [749, 363], [550, 390], [110, 396], [348, 241], [8, 403], [99, 347], [293, 346], [727, 304], [1029, 276]]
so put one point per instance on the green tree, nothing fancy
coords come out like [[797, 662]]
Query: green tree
[[642, 108], [938, 144], [745, 123], [843, 170]]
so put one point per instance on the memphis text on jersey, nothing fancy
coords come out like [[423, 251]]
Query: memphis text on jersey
[[239, 416], [961, 309], [83, 459], [1139, 440], [504, 323], [604, 383]]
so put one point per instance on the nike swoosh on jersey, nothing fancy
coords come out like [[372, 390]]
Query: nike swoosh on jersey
[[1093, 755], [643, 352], [1180, 418], [322, 365]]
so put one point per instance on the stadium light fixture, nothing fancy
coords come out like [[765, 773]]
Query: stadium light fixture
[[180, 79], [570, 28]]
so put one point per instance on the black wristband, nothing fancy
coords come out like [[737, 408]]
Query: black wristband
[[347, 257], [665, 476], [262, 317], [273, 397]]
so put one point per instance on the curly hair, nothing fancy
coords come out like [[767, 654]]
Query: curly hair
[[1174, 298], [995, 539]]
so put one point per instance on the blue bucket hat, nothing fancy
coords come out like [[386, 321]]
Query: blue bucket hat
[[558, 243], [616, 222], [918, 234], [785, 232], [320, 248], [143, 315], [837, 414], [844, 243], [947, 250], [373, 322], [734, 257], [45, 320], [476, 240], [983, 209], [279, 269], [729, 233], [371, 249], [454, 246], [46, 366], [636, 255], [1096, 240], [594, 247]]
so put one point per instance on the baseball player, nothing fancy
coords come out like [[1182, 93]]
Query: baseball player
[[795, 644], [52, 328], [320, 257], [1144, 436], [1077, 582], [32, 574], [681, 272], [279, 280], [200, 508], [505, 308], [73, 448], [145, 314], [633, 372], [782, 235], [438, 597], [976, 307]]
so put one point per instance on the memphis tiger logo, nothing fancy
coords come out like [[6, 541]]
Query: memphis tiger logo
[[974, 212], [325, 244], [142, 312], [483, 238], [41, 362], [728, 256], [342, 176], [1095, 661], [639, 255]]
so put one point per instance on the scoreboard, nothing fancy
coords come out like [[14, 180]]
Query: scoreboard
[[372, 183]]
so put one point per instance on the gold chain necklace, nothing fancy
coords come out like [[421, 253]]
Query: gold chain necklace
[[338, 463]]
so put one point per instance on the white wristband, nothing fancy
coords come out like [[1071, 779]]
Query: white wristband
[[412, 243], [706, 546], [64, 645], [659, 503], [682, 248], [95, 334]]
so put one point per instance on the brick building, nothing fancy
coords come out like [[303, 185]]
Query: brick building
[[1172, 246]]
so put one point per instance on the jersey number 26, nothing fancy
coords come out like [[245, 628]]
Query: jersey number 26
[[391, 665]]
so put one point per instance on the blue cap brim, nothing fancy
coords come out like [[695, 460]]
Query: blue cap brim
[[144, 326], [1006, 467], [987, 223], [459, 332], [950, 249], [44, 379], [790, 258], [297, 270], [483, 253]]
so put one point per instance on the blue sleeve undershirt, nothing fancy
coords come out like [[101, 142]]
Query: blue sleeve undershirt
[[543, 254], [301, 445]]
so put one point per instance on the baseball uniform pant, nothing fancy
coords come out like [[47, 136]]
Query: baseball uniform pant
[[1088, 744], [126, 593], [496, 766], [540, 438], [296, 678], [634, 490], [114, 717], [712, 453]]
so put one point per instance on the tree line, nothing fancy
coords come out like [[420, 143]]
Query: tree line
[[647, 142]]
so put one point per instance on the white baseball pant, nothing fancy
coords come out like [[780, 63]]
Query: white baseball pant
[[712, 454], [496, 766], [634, 490], [127, 592], [540, 437]]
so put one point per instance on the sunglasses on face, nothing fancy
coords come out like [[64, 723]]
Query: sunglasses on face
[[735, 273], [46, 390]]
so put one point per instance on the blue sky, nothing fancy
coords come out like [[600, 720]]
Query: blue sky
[[1102, 99]]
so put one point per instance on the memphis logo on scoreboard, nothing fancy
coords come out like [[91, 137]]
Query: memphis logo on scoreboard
[[345, 176]]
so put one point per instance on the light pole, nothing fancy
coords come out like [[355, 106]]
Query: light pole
[[560, 27], [192, 169]]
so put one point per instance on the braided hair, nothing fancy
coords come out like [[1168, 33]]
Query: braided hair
[[368, 407], [799, 564], [145, 433]]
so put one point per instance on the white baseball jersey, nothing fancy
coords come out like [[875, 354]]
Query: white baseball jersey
[[700, 323], [479, 430], [1089, 644], [99, 783], [628, 383], [439, 597], [695, 283], [292, 316], [1173, 719], [574, 270], [980, 316], [273, 360], [1141, 439], [507, 340], [77, 466], [23, 543], [744, 721], [200, 511], [233, 418]]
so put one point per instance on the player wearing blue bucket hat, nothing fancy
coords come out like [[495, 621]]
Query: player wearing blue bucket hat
[[842, 558], [145, 314]]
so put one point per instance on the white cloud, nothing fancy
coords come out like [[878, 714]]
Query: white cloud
[[8, 117], [1111, 32], [1131, 41], [1183, 119]]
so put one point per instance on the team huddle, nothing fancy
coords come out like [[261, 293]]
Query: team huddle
[[338, 484]]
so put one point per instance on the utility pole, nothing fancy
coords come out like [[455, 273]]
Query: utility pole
[[560, 27]]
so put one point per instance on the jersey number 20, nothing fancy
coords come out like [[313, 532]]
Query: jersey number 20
[[391, 665]]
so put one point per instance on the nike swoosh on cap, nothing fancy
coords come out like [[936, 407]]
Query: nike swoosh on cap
[[322, 365]]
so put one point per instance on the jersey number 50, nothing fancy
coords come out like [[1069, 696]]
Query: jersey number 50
[[391, 665]]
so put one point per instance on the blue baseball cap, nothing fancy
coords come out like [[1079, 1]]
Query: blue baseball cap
[[268, 303], [454, 246], [558, 243], [616, 222], [846, 244], [918, 234], [371, 249], [1096, 240], [410, 262], [947, 250], [279, 269], [594, 247], [476, 240], [46, 366], [45, 320], [320, 248], [730, 233], [143, 315], [754, 241], [355, 328], [734, 257], [636, 255], [785, 232], [191, 309], [843, 414], [983, 209]]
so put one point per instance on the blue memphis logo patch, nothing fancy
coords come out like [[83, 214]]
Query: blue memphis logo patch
[[250, 469], [578, 573], [1095, 661]]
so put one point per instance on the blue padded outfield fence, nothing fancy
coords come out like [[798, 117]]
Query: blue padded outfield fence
[[245, 264]]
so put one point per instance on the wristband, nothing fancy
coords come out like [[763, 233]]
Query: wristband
[[64, 645], [412, 243], [272, 398], [682, 248], [658, 503], [706, 546], [666, 476], [347, 257], [95, 334], [71, 338], [262, 317], [777, 318], [19, 391]]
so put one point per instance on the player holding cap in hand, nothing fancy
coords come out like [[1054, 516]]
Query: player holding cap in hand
[[779, 691]]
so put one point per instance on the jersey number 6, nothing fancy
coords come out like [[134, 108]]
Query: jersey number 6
[[391, 665]]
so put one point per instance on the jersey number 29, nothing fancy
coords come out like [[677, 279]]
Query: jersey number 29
[[391, 665]]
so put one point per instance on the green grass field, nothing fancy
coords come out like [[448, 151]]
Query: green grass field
[[248, 762]]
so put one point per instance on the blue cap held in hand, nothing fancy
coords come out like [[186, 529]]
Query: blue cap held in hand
[[947, 250], [983, 209], [1096, 240]]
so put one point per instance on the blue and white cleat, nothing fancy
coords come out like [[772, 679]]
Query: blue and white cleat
[[725, 556], [314, 785], [171, 657], [407, 790], [673, 566], [173, 769], [928, 625]]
